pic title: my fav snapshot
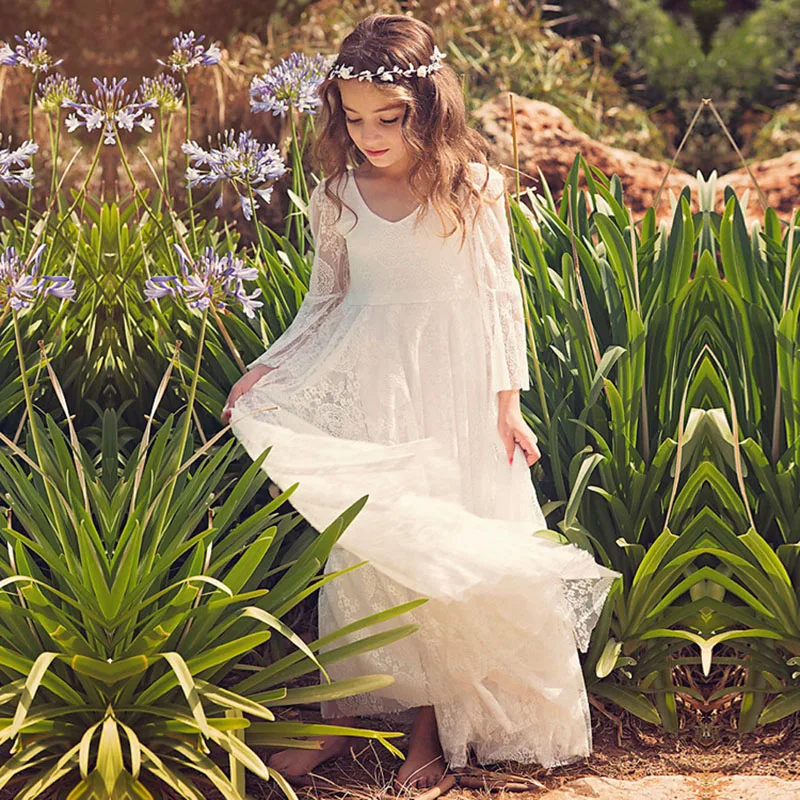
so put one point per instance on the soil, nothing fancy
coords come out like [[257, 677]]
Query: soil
[[624, 748]]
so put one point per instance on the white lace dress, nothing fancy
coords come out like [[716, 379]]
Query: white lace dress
[[386, 385]]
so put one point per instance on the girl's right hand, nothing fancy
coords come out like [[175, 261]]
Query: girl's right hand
[[242, 386]]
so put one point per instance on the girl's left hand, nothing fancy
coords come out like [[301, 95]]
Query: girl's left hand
[[514, 431]]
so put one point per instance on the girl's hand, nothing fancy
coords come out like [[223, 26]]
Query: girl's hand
[[242, 386], [514, 431]]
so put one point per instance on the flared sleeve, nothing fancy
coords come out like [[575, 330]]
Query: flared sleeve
[[328, 284], [501, 298]]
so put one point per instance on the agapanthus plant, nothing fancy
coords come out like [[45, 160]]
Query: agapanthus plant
[[31, 52], [54, 89], [165, 90], [19, 286], [108, 108], [208, 282], [9, 159], [187, 53], [294, 81], [244, 163]]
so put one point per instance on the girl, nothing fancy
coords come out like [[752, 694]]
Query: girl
[[399, 379]]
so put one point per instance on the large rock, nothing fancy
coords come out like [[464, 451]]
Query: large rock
[[548, 141], [779, 179]]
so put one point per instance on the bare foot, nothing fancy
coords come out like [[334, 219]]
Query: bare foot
[[424, 766], [295, 764]]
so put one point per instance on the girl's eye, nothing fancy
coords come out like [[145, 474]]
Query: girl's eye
[[384, 121]]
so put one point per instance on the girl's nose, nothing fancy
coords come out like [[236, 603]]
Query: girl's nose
[[372, 135]]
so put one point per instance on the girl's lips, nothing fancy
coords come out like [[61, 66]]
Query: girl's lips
[[377, 152]]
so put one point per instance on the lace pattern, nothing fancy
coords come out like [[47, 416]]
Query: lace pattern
[[489, 690], [300, 344], [501, 298]]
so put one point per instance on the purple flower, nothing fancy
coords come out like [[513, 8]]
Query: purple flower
[[16, 158], [31, 52], [243, 163], [187, 52], [165, 90], [20, 288], [292, 82], [54, 89], [208, 281], [108, 108]]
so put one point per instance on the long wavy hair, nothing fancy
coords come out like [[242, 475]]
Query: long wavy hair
[[434, 127]]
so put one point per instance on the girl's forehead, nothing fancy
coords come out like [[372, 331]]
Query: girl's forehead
[[365, 98]]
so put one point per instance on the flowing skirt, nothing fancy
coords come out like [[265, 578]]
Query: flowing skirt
[[410, 422]]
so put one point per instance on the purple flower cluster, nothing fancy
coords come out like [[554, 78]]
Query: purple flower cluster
[[208, 281], [244, 163], [165, 90], [31, 52], [54, 89], [20, 288], [293, 82], [187, 52], [108, 108], [9, 159]]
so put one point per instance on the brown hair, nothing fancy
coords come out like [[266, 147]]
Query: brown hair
[[434, 128]]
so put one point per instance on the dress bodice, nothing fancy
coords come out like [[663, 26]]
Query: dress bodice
[[400, 262]]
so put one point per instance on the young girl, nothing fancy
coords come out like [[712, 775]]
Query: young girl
[[399, 379]]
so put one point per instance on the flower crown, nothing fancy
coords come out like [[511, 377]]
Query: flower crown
[[383, 74]]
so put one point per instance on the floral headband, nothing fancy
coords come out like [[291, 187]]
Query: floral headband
[[346, 73]]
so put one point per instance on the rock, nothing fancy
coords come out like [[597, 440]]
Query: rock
[[779, 179], [548, 141], [678, 787]]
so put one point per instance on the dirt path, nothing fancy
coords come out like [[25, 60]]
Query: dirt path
[[631, 751]]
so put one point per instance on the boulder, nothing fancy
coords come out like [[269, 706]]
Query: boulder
[[779, 179], [548, 140]]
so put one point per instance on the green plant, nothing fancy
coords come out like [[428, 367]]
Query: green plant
[[127, 611]]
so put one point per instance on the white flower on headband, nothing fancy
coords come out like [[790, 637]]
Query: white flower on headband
[[382, 73]]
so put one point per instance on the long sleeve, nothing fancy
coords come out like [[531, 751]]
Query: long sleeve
[[330, 278], [501, 299]]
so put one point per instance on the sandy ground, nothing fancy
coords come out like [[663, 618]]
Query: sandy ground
[[628, 749]]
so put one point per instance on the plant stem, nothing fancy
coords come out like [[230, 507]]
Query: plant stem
[[55, 158], [256, 221], [164, 150], [51, 136], [30, 191], [299, 186], [188, 138]]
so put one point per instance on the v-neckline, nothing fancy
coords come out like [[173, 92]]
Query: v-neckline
[[378, 216]]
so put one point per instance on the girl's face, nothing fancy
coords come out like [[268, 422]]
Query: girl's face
[[373, 122]]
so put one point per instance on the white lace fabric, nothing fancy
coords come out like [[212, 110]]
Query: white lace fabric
[[386, 385]]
